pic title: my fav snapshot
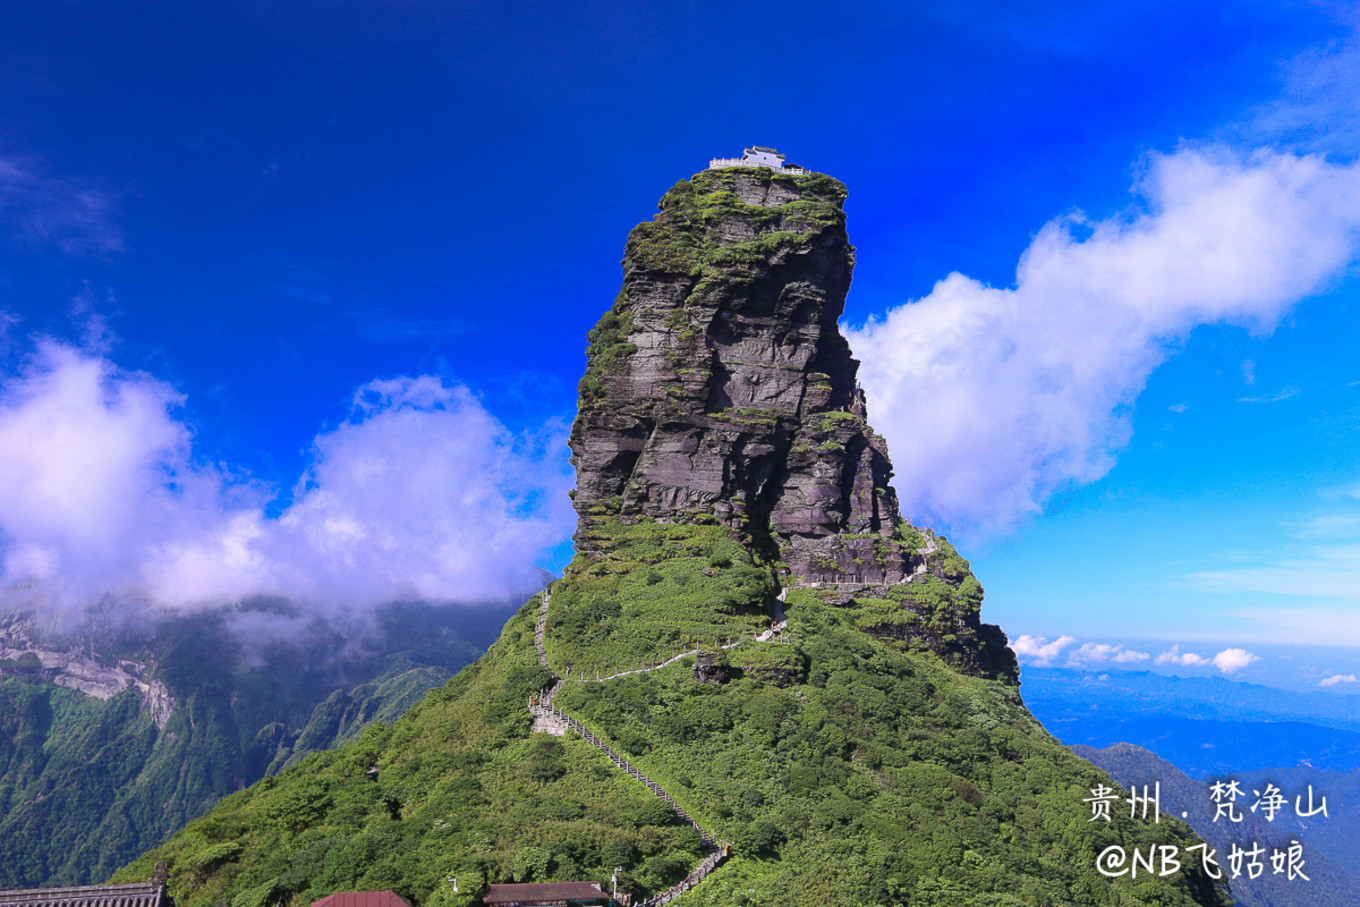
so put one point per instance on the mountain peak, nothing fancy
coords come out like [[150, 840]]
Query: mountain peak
[[719, 390], [719, 387]]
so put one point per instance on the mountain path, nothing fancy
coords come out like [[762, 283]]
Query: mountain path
[[552, 720], [781, 624]]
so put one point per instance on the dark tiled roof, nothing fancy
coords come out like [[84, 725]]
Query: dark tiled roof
[[544, 892], [363, 899], [140, 894]]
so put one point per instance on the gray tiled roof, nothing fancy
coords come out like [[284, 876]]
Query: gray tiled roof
[[140, 894], [544, 893]]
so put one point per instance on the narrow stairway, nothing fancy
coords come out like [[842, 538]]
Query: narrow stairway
[[552, 719]]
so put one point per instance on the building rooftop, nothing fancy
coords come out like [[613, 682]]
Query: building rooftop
[[757, 156], [386, 898], [546, 893], [139, 894]]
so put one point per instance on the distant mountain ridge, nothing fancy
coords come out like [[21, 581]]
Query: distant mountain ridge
[[1200, 697], [1202, 725], [105, 748], [1329, 846], [23, 655]]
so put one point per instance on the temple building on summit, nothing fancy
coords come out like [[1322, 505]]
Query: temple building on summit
[[756, 156]]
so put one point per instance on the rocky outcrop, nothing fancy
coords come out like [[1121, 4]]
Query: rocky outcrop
[[719, 384], [23, 656], [718, 387], [711, 668]]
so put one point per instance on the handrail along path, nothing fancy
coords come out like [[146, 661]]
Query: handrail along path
[[550, 718]]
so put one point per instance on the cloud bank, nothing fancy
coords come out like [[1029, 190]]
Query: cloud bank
[[419, 494], [992, 399], [1229, 661], [1040, 652]]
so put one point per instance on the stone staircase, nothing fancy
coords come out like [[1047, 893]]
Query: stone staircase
[[707, 865], [550, 719], [625, 765], [547, 720]]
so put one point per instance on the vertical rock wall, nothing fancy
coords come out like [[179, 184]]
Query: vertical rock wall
[[719, 384], [719, 388]]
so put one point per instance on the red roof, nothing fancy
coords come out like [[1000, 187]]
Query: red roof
[[363, 899], [544, 892]]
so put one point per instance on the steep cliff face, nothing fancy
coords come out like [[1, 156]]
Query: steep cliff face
[[77, 669], [719, 388], [719, 383]]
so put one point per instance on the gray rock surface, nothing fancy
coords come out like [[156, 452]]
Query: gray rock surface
[[719, 388], [21, 655], [738, 396]]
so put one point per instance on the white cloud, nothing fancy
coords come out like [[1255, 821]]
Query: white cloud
[[1230, 661], [1326, 526], [1318, 108], [1337, 492], [1303, 625], [1098, 653], [1038, 650], [1336, 679], [1323, 570], [421, 493], [992, 399], [1174, 656], [1273, 398]]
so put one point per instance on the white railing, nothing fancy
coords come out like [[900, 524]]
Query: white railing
[[719, 163], [648, 666]]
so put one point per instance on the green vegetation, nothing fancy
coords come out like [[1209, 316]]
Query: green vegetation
[[915, 614], [462, 790], [744, 416], [26, 662], [656, 589], [834, 419], [878, 777], [846, 768], [86, 785], [48, 735], [608, 344], [687, 239]]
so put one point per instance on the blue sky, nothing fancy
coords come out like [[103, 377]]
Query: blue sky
[[294, 295]]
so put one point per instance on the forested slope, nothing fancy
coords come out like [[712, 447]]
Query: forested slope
[[87, 783], [876, 751]]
